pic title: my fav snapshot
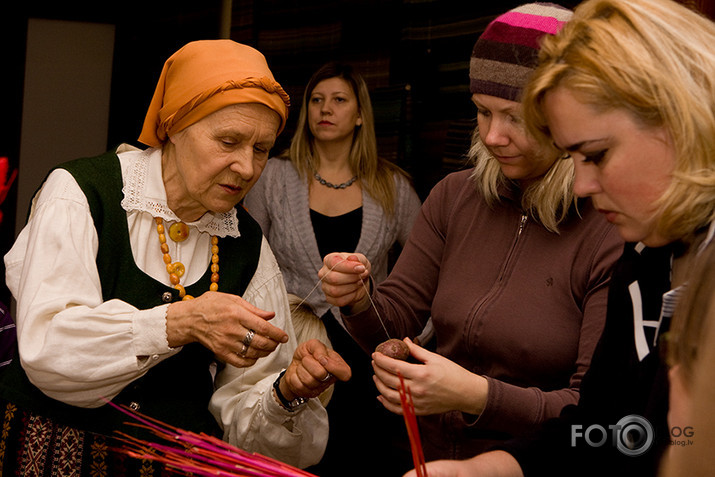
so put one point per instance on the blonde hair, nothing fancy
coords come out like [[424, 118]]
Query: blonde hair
[[654, 59], [377, 175], [693, 315], [548, 200]]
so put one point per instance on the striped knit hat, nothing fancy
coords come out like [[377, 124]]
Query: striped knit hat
[[507, 52]]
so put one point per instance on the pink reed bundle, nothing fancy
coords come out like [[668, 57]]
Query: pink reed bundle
[[199, 454]]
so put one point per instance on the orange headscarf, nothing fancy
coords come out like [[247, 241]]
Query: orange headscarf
[[205, 76]]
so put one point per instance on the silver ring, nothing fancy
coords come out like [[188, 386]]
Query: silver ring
[[244, 350], [248, 338], [326, 378]]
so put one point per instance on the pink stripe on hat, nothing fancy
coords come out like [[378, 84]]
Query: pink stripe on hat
[[505, 33], [546, 24]]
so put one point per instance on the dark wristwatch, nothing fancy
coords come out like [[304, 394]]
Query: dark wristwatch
[[293, 405]]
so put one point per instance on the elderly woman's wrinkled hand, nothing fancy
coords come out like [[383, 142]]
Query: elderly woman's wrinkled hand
[[313, 369], [345, 280], [237, 332]]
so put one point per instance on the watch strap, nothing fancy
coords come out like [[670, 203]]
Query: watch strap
[[291, 406]]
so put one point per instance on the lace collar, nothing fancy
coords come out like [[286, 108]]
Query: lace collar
[[144, 192]]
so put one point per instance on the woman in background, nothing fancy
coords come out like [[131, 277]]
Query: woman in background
[[331, 191]]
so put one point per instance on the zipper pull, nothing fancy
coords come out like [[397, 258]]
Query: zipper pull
[[522, 223]]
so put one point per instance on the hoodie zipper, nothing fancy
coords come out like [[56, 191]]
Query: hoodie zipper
[[496, 289]]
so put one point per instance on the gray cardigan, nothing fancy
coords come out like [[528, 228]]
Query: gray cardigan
[[279, 202]]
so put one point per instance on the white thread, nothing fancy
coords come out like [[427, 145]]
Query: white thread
[[367, 292], [316, 286]]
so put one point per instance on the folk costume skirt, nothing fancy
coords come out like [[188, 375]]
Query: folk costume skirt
[[36, 446]]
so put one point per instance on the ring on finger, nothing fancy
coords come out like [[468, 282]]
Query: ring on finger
[[328, 376], [248, 338], [244, 350]]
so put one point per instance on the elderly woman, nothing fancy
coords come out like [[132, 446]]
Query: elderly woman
[[115, 248]]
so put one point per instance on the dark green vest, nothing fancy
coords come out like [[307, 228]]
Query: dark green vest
[[177, 390]]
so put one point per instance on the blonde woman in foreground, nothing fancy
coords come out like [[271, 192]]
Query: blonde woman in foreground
[[627, 89]]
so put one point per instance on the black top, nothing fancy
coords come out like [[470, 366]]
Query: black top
[[357, 419], [337, 234]]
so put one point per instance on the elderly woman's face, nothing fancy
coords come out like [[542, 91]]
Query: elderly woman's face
[[623, 166], [216, 160], [502, 131]]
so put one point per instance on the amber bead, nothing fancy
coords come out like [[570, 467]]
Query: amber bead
[[178, 268], [179, 232]]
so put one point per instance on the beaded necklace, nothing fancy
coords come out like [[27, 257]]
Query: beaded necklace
[[179, 232], [331, 185]]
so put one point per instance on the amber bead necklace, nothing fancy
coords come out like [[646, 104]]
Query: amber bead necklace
[[179, 232]]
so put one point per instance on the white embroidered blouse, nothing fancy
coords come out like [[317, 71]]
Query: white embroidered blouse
[[78, 349]]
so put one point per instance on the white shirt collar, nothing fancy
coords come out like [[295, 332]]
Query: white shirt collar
[[144, 192]]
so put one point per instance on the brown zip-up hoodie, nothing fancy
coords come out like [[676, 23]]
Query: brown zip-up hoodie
[[510, 300]]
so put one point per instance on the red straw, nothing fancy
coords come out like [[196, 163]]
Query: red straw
[[199, 454], [413, 433]]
